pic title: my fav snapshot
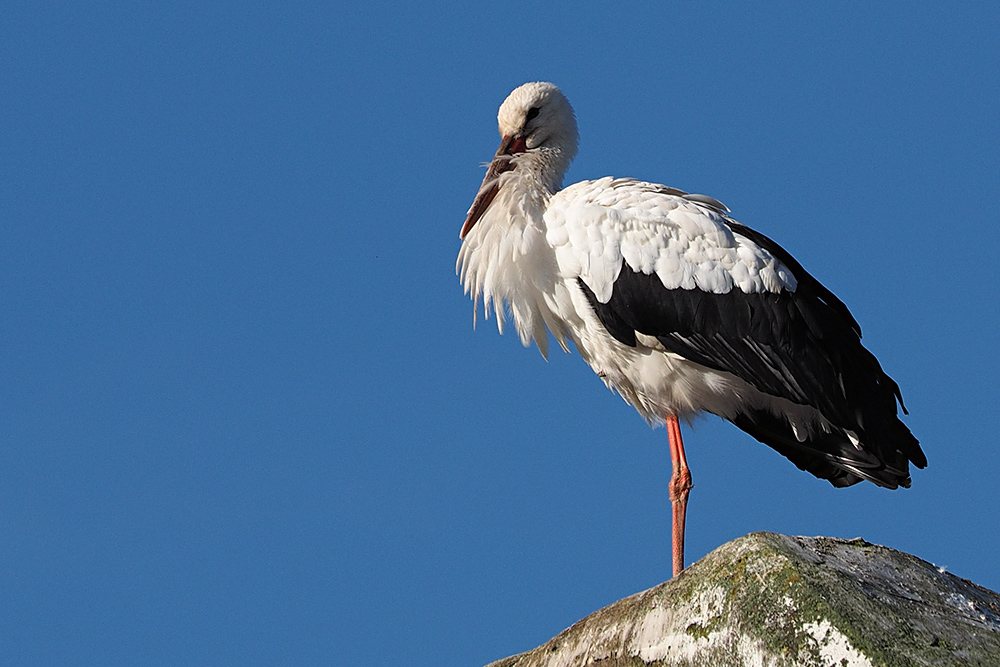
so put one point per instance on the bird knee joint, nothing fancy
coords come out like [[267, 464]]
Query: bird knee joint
[[680, 485]]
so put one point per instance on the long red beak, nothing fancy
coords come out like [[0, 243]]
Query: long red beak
[[503, 161]]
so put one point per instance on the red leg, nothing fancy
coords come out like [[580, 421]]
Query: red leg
[[680, 486]]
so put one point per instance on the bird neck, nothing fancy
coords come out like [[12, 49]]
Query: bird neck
[[542, 170], [505, 255]]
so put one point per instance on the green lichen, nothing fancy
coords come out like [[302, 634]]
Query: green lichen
[[704, 630]]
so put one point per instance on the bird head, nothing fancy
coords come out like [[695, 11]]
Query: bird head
[[536, 119], [539, 116]]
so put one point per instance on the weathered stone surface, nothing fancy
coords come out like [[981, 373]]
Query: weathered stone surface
[[775, 600]]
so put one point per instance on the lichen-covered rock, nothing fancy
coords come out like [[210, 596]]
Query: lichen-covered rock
[[774, 600]]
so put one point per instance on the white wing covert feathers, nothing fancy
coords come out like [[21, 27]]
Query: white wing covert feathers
[[595, 225]]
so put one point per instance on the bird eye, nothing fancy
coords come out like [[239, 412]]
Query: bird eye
[[532, 114]]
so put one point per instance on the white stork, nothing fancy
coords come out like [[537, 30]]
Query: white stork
[[677, 307]]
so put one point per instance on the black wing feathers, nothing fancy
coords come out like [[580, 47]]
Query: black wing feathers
[[803, 346], [800, 273]]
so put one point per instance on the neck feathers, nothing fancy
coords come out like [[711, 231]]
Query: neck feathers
[[503, 256]]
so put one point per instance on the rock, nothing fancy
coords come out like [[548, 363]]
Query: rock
[[768, 599]]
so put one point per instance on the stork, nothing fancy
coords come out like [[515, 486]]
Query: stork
[[677, 307]]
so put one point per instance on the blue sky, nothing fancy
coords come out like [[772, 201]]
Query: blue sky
[[245, 416]]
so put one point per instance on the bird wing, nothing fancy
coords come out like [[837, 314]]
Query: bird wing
[[659, 262], [656, 262]]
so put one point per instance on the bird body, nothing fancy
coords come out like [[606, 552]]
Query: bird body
[[588, 233], [675, 305]]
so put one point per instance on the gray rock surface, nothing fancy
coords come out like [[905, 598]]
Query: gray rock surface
[[775, 600]]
